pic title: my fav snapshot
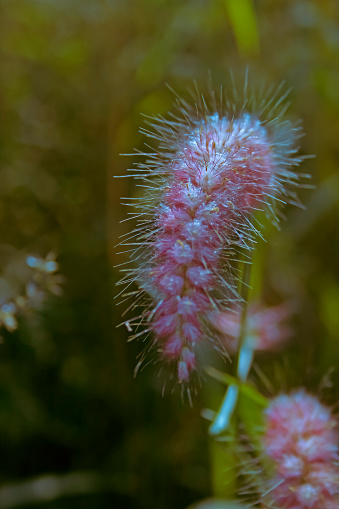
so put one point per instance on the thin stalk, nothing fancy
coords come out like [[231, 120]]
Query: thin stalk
[[245, 358]]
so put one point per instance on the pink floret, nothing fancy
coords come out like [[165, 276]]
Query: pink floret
[[186, 365], [173, 347]]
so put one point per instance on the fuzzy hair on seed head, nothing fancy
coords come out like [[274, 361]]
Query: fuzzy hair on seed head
[[217, 163]]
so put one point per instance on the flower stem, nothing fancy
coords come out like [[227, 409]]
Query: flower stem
[[245, 358]]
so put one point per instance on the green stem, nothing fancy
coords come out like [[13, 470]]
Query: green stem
[[244, 291], [245, 358]]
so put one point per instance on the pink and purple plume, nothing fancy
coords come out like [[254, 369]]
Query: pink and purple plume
[[301, 441], [213, 170], [266, 327]]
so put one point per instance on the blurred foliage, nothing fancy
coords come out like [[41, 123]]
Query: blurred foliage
[[76, 75]]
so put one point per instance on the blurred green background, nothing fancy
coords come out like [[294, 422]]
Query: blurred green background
[[76, 429]]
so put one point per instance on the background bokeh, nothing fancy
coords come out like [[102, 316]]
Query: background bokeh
[[76, 429]]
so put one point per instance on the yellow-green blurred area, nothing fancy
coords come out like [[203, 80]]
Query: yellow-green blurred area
[[76, 429]]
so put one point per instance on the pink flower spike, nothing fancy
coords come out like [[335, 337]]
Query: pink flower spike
[[216, 169], [301, 441], [266, 327]]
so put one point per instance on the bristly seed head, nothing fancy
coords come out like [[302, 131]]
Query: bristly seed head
[[301, 440], [213, 171]]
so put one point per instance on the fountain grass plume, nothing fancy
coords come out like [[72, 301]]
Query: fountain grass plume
[[217, 164], [301, 441]]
